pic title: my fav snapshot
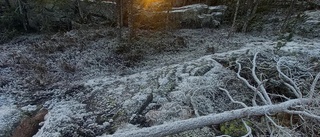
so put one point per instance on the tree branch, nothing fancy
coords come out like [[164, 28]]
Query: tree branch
[[232, 100], [313, 116], [295, 90], [248, 84], [248, 129], [212, 119], [260, 84], [313, 85]]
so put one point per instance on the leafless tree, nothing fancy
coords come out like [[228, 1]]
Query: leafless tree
[[289, 13], [250, 13], [234, 18], [131, 15], [23, 13], [119, 19]]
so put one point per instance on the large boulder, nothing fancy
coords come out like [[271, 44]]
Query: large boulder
[[198, 15], [190, 16], [101, 12], [50, 15], [61, 14], [316, 2], [70, 118]]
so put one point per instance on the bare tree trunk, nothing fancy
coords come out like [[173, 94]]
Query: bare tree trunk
[[289, 13], [131, 15], [169, 3], [208, 2], [250, 15], [24, 15], [119, 20], [122, 12], [80, 10], [249, 8], [234, 19]]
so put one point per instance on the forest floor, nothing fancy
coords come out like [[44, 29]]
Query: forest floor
[[45, 70]]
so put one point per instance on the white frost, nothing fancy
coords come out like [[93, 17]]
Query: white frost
[[9, 116], [61, 119]]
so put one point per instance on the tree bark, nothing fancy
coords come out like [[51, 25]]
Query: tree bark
[[289, 13], [131, 20], [234, 19], [119, 20], [250, 15], [23, 14]]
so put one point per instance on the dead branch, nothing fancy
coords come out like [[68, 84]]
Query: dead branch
[[212, 119], [234, 19], [291, 83], [313, 85], [251, 14], [291, 106]]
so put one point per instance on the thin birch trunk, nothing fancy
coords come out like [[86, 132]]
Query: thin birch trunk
[[119, 20], [234, 19], [289, 13], [250, 16]]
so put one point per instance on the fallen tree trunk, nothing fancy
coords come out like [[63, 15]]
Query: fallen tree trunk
[[212, 119]]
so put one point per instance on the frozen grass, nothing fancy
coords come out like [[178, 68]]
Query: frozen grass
[[77, 75]]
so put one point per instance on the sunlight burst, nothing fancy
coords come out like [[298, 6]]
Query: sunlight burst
[[149, 4]]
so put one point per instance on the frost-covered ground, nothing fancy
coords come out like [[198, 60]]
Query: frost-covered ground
[[89, 91]]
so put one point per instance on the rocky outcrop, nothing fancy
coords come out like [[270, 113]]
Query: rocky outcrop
[[191, 16], [100, 12], [50, 15], [69, 118], [310, 25], [64, 15], [71, 14], [180, 91], [316, 2], [198, 15], [106, 104]]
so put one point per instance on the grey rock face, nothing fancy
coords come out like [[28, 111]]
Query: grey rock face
[[316, 2], [190, 16], [310, 25], [101, 12], [198, 15], [63, 15]]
